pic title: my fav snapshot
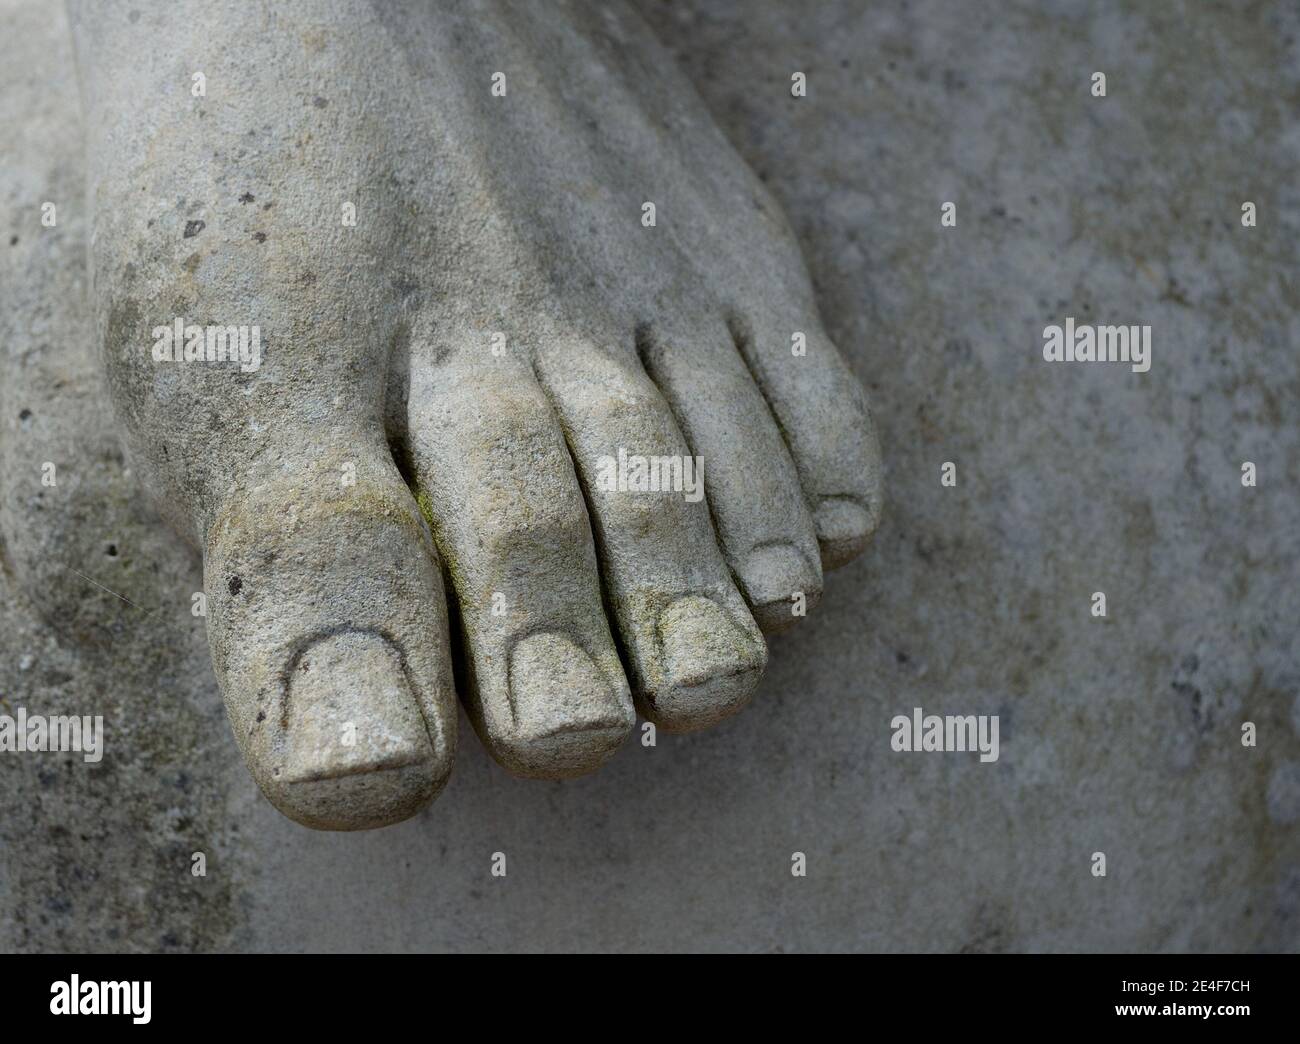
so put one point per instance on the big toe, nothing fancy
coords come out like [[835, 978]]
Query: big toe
[[327, 625]]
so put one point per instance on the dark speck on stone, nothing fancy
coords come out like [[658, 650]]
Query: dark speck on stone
[[260, 236], [236, 584], [261, 715], [24, 414], [13, 240], [112, 551], [193, 228], [247, 197], [320, 103]]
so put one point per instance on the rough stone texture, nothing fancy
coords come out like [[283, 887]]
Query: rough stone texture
[[478, 214], [1118, 735]]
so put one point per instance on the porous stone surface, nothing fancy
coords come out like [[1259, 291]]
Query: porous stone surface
[[1118, 735], [466, 308]]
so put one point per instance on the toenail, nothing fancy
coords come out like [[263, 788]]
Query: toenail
[[841, 518], [775, 573], [556, 689], [844, 527], [351, 711], [700, 642], [710, 665]]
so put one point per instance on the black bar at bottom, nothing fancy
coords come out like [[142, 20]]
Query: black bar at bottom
[[304, 993]]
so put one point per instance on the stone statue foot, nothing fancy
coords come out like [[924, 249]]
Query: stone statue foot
[[427, 320]]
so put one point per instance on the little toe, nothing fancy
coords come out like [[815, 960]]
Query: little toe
[[754, 495], [823, 412]]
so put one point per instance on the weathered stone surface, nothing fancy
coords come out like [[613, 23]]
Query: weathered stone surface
[[1118, 735]]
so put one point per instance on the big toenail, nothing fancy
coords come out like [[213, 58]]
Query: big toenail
[[556, 688], [351, 711]]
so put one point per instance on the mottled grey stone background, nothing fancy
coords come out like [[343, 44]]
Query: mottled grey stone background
[[1118, 735]]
